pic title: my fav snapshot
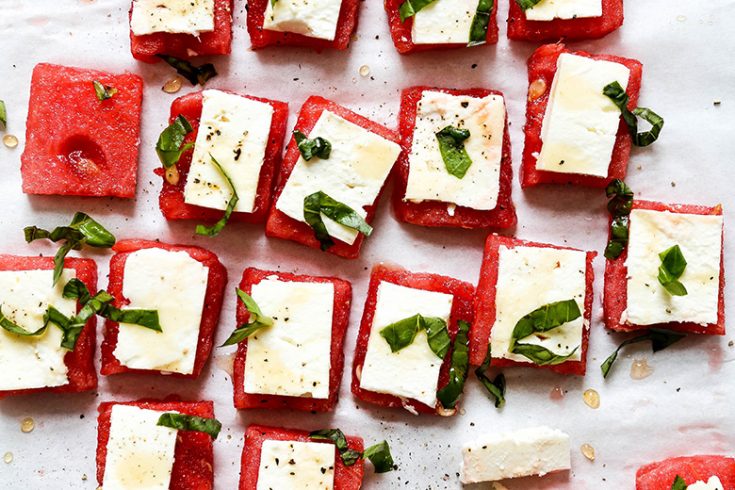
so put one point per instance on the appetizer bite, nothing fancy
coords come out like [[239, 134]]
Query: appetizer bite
[[571, 20], [420, 25], [455, 168], [706, 472], [185, 285], [82, 132], [290, 333], [534, 451], [180, 28], [220, 147], [410, 324], [156, 444], [332, 175], [533, 306]]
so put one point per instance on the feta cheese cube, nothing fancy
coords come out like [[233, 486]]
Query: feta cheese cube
[[312, 18], [173, 16], [292, 464], [547, 10]]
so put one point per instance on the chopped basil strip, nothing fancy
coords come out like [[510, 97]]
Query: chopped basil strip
[[70, 327], [451, 393], [543, 319], [409, 8], [219, 225], [13, 327], [318, 204], [616, 93], [256, 322], [527, 4], [379, 455], [660, 339], [349, 456], [180, 421], [480, 23], [318, 147], [454, 154], [195, 74], [103, 92], [401, 334], [170, 145], [672, 267], [679, 484], [83, 230], [619, 206], [3, 116], [494, 387]]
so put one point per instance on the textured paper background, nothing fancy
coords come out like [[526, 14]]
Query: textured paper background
[[687, 406]]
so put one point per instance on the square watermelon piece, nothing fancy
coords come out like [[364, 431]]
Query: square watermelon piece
[[184, 46], [253, 463], [199, 346], [76, 144], [692, 469], [698, 230], [262, 394], [81, 374], [171, 199], [435, 296], [542, 67], [523, 276], [573, 29], [438, 213], [193, 464]]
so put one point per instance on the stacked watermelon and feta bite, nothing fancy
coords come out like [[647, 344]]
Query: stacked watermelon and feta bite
[[572, 20], [185, 285], [702, 472]]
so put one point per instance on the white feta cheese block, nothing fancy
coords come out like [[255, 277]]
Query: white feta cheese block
[[312, 18], [175, 285], [525, 452], [292, 357], [38, 361], [714, 483], [547, 10], [354, 173], [444, 22], [140, 453], [581, 123], [234, 130], [700, 239], [173, 16], [529, 278], [292, 464], [428, 178], [412, 372]]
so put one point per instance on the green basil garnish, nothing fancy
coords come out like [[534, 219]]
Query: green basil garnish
[[170, 145], [219, 225], [527, 4], [660, 339], [672, 267], [679, 484], [378, 454], [256, 322], [616, 93], [13, 327], [401, 334], [619, 207], [82, 230], [103, 92], [454, 154], [480, 23], [319, 203], [180, 421], [543, 319], [318, 147], [409, 8], [451, 393], [195, 74], [3, 116], [494, 387]]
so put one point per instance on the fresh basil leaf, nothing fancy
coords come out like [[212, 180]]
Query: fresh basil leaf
[[438, 336], [3, 116], [318, 147], [170, 145], [450, 394], [195, 74], [527, 4], [494, 387], [180, 421], [619, 206], [143, 318], [13, 327], [256, 322], [95, 235], [543, 319], [451, 146], [349, 456], [103, 92], [402, 333], [617, 94], [409, 8], [480, 23], [660, 339], [318, 204], [76, 289], [541, 355], [71, 328], [219, 225], [379, 455], [679, 484], [671, 269]]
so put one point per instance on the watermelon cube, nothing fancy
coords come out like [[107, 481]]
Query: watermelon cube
[[692, 469], [574, 29]]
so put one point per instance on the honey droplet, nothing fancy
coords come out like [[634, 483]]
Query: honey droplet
[[588, 452], [364, 70], [172, 175], [10, 141], [536, 89], [556, 393], [173, 85], [27, 425], [640, 369], [8, 457], [591, 398]]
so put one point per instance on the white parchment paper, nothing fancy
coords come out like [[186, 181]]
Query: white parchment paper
[[686, 406]]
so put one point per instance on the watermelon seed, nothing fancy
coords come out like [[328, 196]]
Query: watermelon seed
[[536, 89], [10, 141], [172, 175]]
